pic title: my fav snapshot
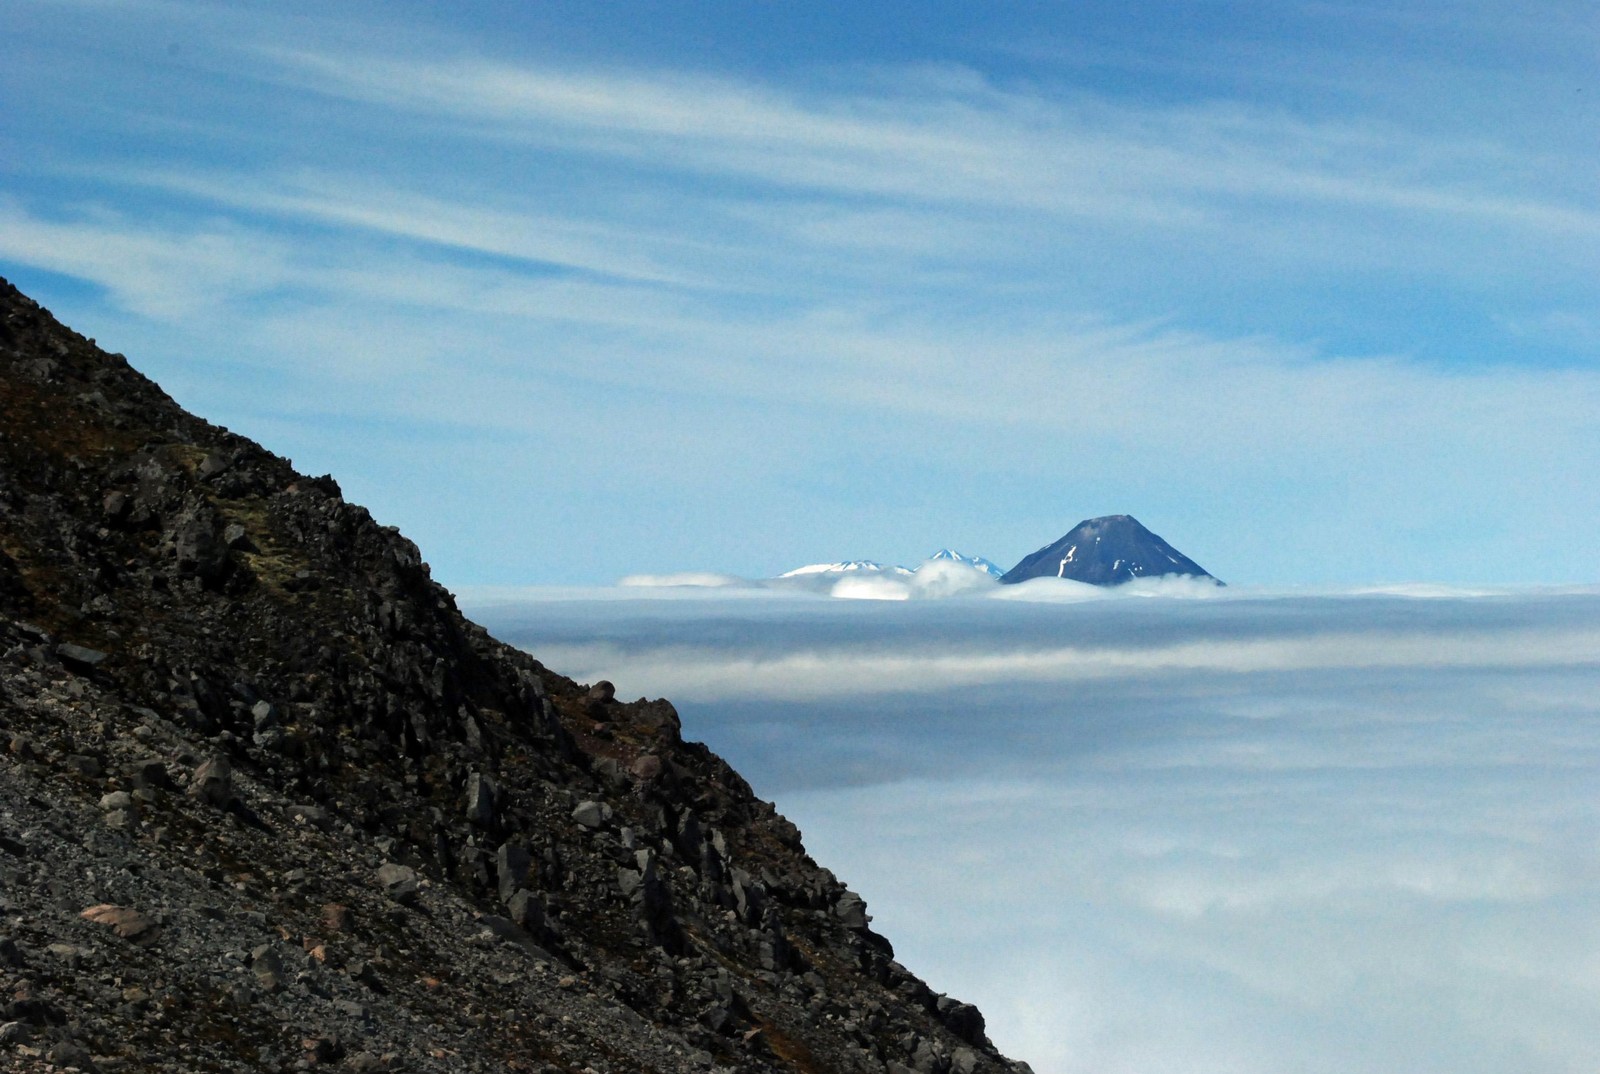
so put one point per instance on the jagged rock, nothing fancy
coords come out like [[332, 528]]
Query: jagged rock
[[126, 922], [717, 1018], [399, 882], [149, 773], [852, 910], [268, 969], [121, 811], [212, 465], [962, 1019], [525, 910], [480, 800], [212, 782], [80, 656], [928, 1058], [511, 869], [591, 814], [237, 538]]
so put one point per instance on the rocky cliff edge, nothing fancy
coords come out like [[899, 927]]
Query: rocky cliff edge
[[268, 802]]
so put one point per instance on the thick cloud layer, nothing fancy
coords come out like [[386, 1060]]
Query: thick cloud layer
[[1298, 833]]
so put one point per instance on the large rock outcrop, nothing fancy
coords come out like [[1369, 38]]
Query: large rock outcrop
[[269, 802]]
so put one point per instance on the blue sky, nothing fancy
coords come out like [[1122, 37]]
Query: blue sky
[[572, 291]]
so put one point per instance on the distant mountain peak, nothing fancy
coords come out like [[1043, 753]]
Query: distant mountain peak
[[1108, 550], [977, 562], [849, 566]]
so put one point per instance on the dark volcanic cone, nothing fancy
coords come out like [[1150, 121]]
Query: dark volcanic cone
[[1108, 550]]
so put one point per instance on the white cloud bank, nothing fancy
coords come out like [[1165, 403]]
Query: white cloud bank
[[1333, 833]]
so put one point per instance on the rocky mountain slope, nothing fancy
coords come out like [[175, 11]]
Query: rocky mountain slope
[[1108, 550], [269, 803]]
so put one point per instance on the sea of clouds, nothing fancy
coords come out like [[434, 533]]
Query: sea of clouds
[[1169, 828]]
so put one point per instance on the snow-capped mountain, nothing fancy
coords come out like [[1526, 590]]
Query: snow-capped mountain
[[853, 566], [1106, 551], [868, 566], [978, 562]]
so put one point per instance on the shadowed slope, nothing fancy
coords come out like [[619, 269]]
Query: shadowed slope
[[338, 824]]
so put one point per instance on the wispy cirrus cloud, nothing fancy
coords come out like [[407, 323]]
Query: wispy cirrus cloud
[[167, 273], [968, 142], [540, 240]]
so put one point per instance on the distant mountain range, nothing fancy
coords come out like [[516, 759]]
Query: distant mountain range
[[1101, 551], [851, 566], [947, 554], [870, 567]]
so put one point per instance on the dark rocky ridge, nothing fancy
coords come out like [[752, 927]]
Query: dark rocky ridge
[[1108, 550], [269, 802]]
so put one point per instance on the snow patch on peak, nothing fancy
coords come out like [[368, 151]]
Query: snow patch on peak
[[853, 566], [951, 555]]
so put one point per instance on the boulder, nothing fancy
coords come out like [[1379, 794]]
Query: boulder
[[80, 657], [268, 968], [212, 782], [851, 909], [399, 882], [126, 922], [511, 869], [480, 804], [591, 814]]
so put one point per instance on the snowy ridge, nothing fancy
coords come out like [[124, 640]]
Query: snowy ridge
[[977, 562], [853, 566], [868, 566]]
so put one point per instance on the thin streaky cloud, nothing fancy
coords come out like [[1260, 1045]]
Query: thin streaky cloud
[[584, 245], [985, 147], [830, 357], [165, 274], [700, 675]]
